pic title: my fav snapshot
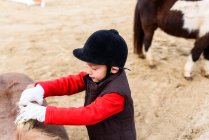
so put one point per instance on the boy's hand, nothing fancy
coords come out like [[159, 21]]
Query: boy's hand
[[34, 94], [31, 111]]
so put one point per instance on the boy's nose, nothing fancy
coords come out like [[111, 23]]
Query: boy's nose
[[89, 71]]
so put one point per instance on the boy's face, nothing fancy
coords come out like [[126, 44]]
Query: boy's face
[[96, 72]]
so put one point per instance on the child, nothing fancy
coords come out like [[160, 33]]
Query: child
[[108, 111]]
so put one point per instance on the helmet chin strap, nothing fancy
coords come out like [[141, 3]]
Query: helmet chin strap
[[108, 72]]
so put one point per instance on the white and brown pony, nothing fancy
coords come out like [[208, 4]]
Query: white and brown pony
[[11, 86], [181, 18]]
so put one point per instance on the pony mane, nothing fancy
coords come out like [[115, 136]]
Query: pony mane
[[34, 134]]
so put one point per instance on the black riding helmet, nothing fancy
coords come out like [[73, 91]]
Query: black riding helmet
[[104, 47]]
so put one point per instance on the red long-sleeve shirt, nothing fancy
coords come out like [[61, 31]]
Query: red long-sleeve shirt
[[102, 108]]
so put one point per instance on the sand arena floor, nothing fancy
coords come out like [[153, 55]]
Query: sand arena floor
[[39, 42]]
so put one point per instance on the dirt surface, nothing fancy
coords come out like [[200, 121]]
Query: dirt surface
[[39, 42]]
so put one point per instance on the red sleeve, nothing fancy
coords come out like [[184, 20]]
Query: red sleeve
[[102, 108], [63, 86]]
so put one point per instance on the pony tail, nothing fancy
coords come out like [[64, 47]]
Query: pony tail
[[138, 31]]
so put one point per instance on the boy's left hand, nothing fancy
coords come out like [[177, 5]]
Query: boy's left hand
[[31, 111]]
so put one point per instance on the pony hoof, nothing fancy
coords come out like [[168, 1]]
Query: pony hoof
[[207, 76], [188, 78], [141, 56], [152, 66]]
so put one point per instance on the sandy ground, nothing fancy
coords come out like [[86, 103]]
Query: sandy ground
[[39, 42]]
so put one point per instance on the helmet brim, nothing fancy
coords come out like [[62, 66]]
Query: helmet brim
[[79, 53]]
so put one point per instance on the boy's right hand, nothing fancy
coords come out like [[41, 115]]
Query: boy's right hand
[[35, 94]]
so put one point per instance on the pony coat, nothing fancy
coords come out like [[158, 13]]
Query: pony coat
[[187, 19], [195, 15], [11, 87]]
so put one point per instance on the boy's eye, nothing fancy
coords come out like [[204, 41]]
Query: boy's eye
[[94, 68]]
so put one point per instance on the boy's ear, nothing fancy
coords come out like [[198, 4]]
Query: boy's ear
[[114, 70]]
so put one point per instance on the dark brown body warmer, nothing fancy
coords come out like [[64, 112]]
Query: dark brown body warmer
[[117, 127]]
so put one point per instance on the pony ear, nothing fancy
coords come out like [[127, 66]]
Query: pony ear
[[114, 70]]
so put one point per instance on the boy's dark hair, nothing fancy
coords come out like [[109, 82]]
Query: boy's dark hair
[[104, 47]]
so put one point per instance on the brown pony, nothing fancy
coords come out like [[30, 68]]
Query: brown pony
[[181, 18], [11, 86]]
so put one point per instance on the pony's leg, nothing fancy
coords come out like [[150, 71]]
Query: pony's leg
[[206, 63], [147, 50], [188, 67], [199, 46]]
